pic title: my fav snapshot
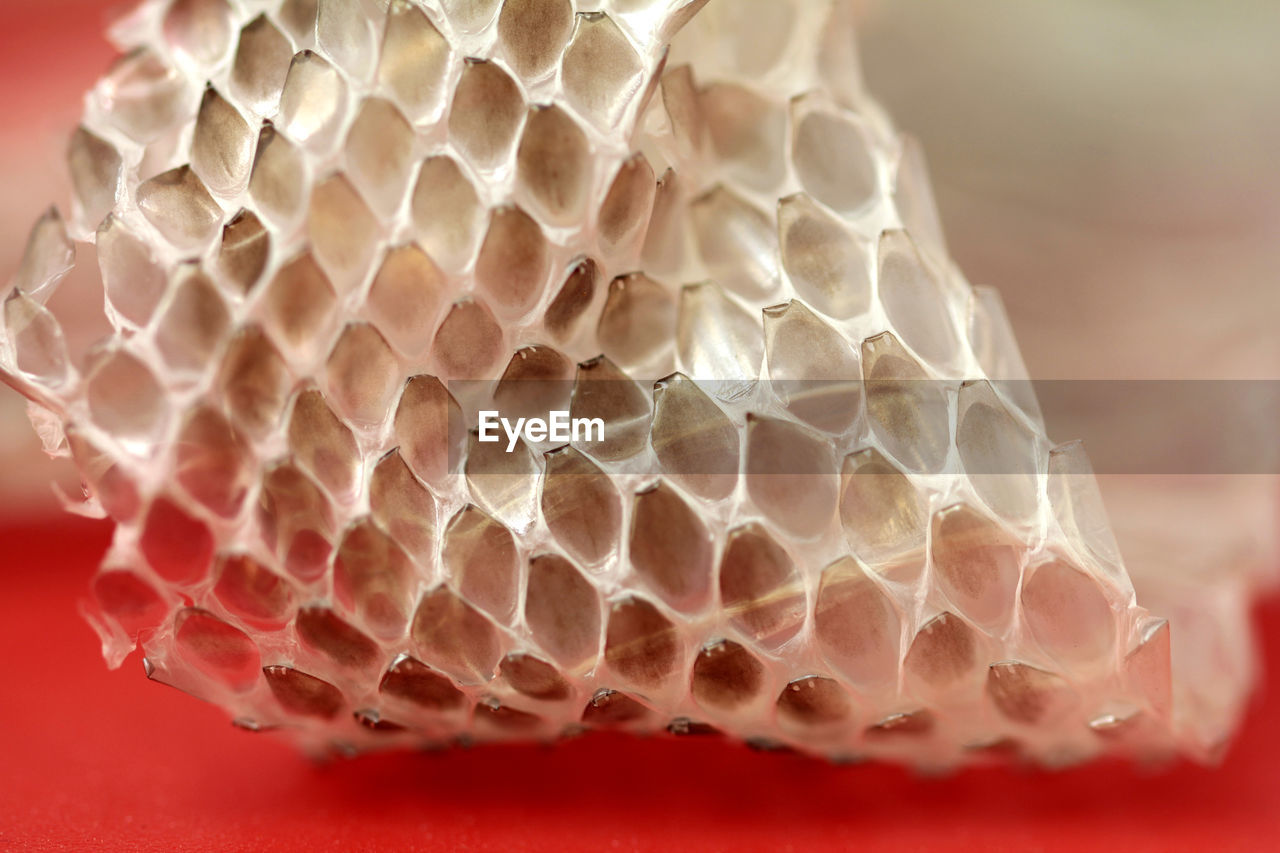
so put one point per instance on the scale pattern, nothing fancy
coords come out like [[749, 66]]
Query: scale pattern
[[825, 516]]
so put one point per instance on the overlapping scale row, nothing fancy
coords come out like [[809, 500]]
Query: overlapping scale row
[[331, 232]]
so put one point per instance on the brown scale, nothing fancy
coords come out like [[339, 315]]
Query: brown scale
[[362, 375], [451, 634], [403, 507], [324, 631], [379, 154], [695, 442], [514, 262], [562, 609], [406, 298], [253, 592], [727, 677], [374, 579], [581, 506], [323, 445], [343, 231], [194, 323], [760, 588], [450, 240], [298, 304], [480, 558], [641, 645], [534, 678], [670, 547], [300, 693]]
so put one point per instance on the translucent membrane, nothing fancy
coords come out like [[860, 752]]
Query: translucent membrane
[[807, 500]]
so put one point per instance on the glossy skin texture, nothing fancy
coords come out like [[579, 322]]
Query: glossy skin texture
[[308, 382]]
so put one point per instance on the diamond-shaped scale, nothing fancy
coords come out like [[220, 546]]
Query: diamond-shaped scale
[[332, 234]]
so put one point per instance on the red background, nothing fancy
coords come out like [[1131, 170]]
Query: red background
[[96, 759], [93, 758]]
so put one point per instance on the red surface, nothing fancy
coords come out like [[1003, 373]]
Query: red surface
[[92, 759]]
